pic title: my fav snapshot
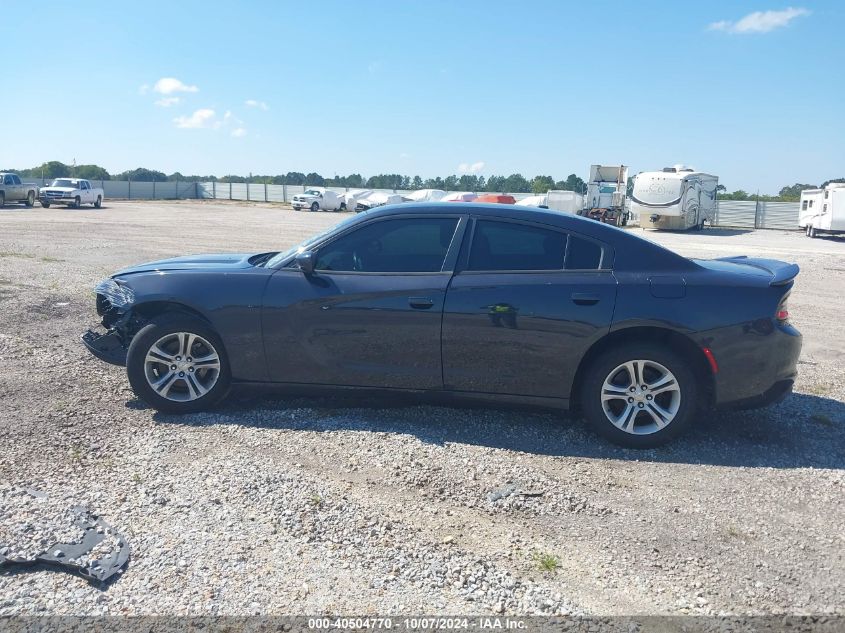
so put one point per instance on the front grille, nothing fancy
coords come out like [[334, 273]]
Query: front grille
[[55, 194]]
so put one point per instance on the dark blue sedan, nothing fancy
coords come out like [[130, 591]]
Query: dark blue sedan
[[501, 303]]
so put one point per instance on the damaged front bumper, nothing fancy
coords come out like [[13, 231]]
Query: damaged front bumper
[[107, 347]]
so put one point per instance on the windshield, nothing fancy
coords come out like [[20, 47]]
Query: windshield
[[64, 182], [312, 192], [278, 259]]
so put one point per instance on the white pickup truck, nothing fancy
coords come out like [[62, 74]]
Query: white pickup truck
[[319, 199], [71, 192], [13, 190]]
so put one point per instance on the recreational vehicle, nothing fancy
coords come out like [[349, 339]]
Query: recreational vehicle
[[675, 198], [823, 210]]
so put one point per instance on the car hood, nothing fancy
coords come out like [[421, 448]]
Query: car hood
[[221, 262]]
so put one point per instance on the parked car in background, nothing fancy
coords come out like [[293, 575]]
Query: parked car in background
[[319, 199], [71, 192], [479, 301], [13, 190], [459, 196], [495, 198]]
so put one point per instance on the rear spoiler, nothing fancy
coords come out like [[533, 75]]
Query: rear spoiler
[[782, 273]]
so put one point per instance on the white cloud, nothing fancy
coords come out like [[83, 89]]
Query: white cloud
[[169, 85], [759, 21], [166, 102], [239, 132], [474, 168], [202, 118], [252, 103]]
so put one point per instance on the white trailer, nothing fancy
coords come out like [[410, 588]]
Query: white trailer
[[606, 194], [809, 205], [823, 210], [676, 198], [566, 201]]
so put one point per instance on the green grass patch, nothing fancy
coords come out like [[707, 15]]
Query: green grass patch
[[547, 562]]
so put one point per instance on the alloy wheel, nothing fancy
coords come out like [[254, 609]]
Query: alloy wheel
[[182, 366], [640, 397]]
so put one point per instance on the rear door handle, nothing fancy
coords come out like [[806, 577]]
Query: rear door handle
[[421, 303], [584, 298]]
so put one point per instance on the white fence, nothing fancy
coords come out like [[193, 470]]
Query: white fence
[[731, 213]]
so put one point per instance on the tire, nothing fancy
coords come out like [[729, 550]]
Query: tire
[[2, 199], [30, 199], [46, 205], [343, 207], [811, 231], [99, 202], [188, 388], [638, 422], [77, 203], [315, 207]]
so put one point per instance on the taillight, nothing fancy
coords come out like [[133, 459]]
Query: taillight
[[782, 313]]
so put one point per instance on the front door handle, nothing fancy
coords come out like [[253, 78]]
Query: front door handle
[[584, 298], [421, 303]]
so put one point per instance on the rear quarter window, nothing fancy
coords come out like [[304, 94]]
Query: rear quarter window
[[582, 254]]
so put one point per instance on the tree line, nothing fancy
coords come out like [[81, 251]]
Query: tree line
[[515, 183]]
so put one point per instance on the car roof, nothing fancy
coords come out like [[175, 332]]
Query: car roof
[[631, 251]]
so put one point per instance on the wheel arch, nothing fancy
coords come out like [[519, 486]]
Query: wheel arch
[[152, 309], [666, 337]]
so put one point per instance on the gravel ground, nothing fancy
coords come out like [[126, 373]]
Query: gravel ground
[[293, 505]]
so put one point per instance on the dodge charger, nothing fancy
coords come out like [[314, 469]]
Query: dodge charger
[[463, 301]]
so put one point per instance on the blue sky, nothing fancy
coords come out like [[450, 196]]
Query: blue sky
[[748, 91]]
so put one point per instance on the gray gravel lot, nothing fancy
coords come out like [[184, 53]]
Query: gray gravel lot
[[301, 505]]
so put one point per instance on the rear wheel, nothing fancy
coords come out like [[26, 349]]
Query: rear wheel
[[177, 364], [30, 199], [99, 202], [639, 395], [811, 231], [2, 199]]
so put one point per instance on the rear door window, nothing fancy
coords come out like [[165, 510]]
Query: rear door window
[[501, 246]]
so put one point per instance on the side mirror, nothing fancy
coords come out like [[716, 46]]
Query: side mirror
[[305, 261]]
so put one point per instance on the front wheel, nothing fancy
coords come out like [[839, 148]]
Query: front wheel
[[77, 202], [30, 199], [811, 231], [315, 207], [98, 202], [639, 395], [2, 199], [45, 204], [177, 364]]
